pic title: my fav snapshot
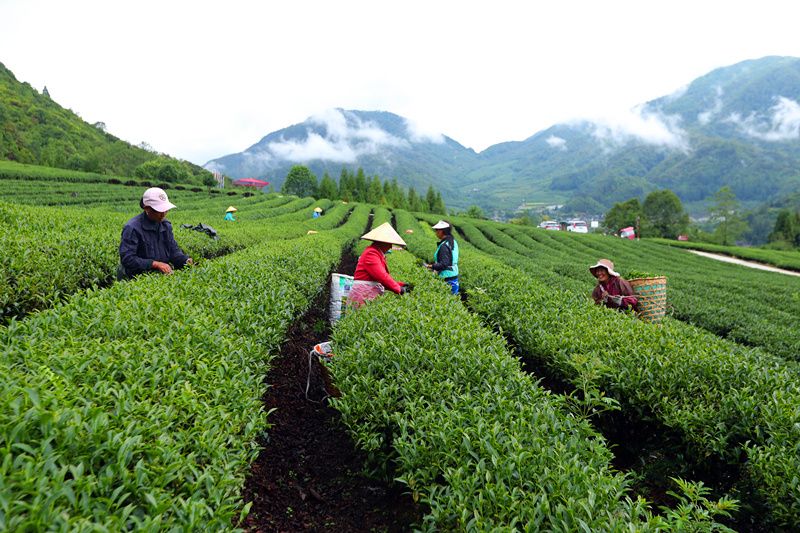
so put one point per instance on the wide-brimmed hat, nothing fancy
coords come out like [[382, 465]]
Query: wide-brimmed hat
[[384, 233], [231, 209], [441, 225], [156, 199], [318, 209], [604, 263]]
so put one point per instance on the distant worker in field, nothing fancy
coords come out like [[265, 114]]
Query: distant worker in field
[[147, 241], [445, 258], [611, 290], [229, 214], [317, 212], [372, 276]]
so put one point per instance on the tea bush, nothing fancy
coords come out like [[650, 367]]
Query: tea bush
[[138, 407]]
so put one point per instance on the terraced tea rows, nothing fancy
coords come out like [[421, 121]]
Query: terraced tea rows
[[138, 406], [727, 400]]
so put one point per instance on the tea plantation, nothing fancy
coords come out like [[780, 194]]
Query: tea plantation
[[137, 405]]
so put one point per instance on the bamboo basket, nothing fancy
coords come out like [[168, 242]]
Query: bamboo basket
[[652, 295]]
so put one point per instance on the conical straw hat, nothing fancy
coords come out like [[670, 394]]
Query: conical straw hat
[[318, 209], [231, 209], [384, 233]]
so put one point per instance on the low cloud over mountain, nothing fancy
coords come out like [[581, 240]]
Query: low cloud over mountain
[[335, 136], [780, 123], [643, 125], [737, 126], [382, 143]]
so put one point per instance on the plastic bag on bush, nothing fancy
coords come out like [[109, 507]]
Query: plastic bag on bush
[[208, 230], [341, 284]]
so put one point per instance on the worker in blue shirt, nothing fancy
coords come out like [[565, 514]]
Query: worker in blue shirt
[[229, 214], [147, 242], [445, 259]]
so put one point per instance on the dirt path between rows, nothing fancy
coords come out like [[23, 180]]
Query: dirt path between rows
[[310, 476], [751, 264]]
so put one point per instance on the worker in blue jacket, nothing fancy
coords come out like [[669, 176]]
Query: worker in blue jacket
[[445, 259], [147, 243]]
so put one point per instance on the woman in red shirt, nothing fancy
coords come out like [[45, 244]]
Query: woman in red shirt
[[372, 276], [611, 290]]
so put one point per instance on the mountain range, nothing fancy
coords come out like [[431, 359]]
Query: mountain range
[[737, 126]]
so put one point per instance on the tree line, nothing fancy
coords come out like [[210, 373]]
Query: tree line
[[662, 215], [174, 171], [357, 187], [786, 233]]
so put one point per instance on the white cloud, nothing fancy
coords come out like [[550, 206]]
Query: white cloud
[[420, 134], [346, 138], [334, 120], [706, 116], [783, 123], [556, 142], [214, 167], [253, 163], [643, 125], [314, 147]]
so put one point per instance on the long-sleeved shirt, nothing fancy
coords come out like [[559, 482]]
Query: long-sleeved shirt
[[372, 267], [615, 286], [444, 255], [144, 241]]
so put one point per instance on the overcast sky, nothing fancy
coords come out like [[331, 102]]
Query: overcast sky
[[201, 79]]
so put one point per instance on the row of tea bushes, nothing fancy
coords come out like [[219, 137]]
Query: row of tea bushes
[[138, 407], [426, 388], [15, 171], [437, 401], [43, 193], [750, 307], [725, 399], [50, 253], [92, 195], [11, 170]]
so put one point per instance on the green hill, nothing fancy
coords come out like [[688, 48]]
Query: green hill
[[737, 126], [382, 143], [34, 129]]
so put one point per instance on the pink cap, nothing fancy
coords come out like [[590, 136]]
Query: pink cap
[[156, 199]]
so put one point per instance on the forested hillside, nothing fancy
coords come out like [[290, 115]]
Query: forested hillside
[[35, 129]]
